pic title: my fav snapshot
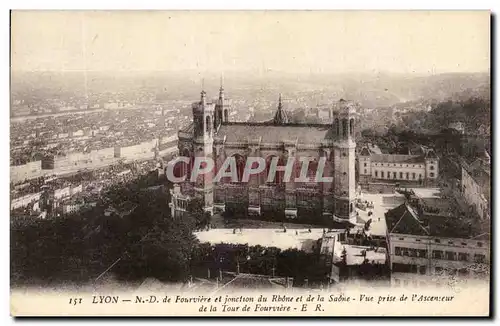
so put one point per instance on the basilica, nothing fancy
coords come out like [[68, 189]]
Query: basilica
[[213, 135]]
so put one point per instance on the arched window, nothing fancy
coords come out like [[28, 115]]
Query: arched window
[[345, 126], [182, 168], [198, 125], [255, 178], [240, 166], [278, 175], [226, 116], [351, 127], [337, 127], [208, 125], [311, 171]]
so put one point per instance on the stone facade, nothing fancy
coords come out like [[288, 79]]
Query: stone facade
[[329, 145]]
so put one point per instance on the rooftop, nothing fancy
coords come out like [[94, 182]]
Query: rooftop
[[269, 133], [397, 158], [406, 219]]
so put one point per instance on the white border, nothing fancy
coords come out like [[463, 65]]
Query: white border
[[186, 4]]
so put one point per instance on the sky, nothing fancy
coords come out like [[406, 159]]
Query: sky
[[421, 42]]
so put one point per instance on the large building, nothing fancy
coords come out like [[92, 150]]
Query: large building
[[212, 135], [429, 247], [476, 185], [397, 168]]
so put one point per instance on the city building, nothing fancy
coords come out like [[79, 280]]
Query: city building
[[213, 135], [458, 126], [476, 185], [427, 247], [397, 168]]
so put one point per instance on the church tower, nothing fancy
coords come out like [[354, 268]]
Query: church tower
[[222, 109], [344, 163], [281, 117], [203, 131]]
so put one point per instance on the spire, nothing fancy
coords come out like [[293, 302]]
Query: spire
[[281, 117], [203, 100], [221, 89]]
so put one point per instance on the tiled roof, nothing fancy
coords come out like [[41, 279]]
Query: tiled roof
[[188, 129], [305, 134], [404, 219], [397, 158]]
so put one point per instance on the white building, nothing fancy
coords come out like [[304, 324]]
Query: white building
[[476, 185], [426, 249], [397, 168]]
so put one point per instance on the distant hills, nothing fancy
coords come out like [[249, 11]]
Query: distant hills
[[370, 90]]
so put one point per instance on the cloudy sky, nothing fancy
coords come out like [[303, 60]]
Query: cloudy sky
[[215, 41]]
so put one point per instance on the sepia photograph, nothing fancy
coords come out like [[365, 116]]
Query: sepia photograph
[[250, 163]]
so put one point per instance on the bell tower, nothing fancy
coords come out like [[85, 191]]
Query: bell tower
[[344, 162], [203, 131], [222, 108]]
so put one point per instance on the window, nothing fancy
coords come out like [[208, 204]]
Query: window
[[404, 268], [407, 175], [401, 175], [412, 252], [437, 254], [432, 167], [397, 251], [422, 253], [402, 239], [479, 258], [366, 172], [479, 244], [208, 124], [345, 127], [463, 256], [413, 174], [431, 174], [450, 255], [376, 173], [450, 242], [405, 252], [437, 240], [464, 243], [422, 269], [394, 175], [420, 176], [365, 165], [381, 174]]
